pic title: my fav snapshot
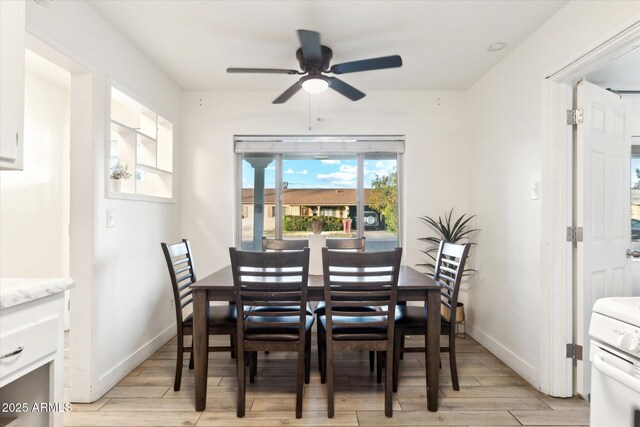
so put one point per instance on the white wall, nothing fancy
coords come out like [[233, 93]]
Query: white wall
[[435, 168], [507, 112], [32, 202], [127, 285]]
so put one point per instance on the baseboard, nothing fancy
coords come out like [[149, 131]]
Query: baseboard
[[117, 373], [526, 371]]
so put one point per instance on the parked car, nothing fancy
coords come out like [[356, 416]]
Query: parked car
[[371, 220], [635, 229]]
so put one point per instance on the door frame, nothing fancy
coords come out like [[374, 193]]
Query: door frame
[[82, 375], [557, 213]]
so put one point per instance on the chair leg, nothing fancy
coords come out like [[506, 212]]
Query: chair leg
[[388, 379], [329, 369], [253, 366], [402, 346], [322, 355], [452, 360], [372, 356], [300, 374], [379, 367], [179, 362], [307, 358], [232, 341], [397, 344], [191, 360], [241, 372], [319, 342]]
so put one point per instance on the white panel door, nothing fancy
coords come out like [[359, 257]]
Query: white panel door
[[602, 209]]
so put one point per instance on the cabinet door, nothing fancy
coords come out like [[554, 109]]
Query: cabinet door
[[12, 31]]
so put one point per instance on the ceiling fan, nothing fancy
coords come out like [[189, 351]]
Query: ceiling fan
[[314, 61]]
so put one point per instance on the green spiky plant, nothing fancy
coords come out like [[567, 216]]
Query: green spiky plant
[[449, 229]]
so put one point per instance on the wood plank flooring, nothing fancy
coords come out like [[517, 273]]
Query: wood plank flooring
[[490, 394]]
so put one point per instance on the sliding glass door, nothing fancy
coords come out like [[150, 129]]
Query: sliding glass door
[[283, 188]]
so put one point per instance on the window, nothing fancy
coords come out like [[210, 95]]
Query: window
[[350, 182], [141, 144]]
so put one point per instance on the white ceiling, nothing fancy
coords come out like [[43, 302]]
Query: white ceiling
[[443, 43]]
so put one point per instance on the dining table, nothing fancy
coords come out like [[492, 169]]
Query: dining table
[[412, 286]]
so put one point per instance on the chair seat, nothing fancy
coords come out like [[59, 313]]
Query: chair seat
[[282, 308], [322, 305], [218, 315], [275, 333], [356, 333], [415, 316]]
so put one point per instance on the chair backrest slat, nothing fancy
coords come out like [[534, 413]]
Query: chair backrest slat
[[270, 280], [450, 264], [347, 244], [361, 279], [182, 273], [269, 245]]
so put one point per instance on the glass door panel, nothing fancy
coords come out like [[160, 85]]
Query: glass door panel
[[258, 199], [381, 201], [635, 194], [319, 187]]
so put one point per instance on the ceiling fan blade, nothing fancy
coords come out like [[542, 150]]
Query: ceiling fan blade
[[393, 61], [345, 89], [311, 48], [262, 70], [288, 93]]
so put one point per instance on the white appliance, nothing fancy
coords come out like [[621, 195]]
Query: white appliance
[[615, 358]]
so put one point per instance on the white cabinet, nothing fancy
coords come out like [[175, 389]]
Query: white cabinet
[[12, 32], [32, 351]]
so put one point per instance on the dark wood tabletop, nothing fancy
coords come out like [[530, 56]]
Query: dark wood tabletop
[[412, 286]]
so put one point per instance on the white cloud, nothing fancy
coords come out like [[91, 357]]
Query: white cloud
[[349, 169], [379, 164], [303, 172], [289, 171], [330, 162], [338, 179]]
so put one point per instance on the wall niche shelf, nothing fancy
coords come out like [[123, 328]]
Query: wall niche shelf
[[141, 140]]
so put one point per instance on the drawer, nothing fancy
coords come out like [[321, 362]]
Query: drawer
[[38, 340]]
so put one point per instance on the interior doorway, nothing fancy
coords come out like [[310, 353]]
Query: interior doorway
[[69, 109], [560, 354]]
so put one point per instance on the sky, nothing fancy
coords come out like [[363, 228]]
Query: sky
[[326, 173]]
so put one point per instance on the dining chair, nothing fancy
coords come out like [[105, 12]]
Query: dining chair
[[222, 319], [351, 245], [357, 280], [271, 280], [411, 320]]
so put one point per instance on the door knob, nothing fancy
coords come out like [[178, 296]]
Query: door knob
[[633, 254]]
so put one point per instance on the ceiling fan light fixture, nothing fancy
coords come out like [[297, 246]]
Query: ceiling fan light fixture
[[315, 84]]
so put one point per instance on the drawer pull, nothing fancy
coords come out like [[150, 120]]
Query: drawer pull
[[13, 353]]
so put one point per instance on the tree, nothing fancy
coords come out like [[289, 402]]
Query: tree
[[384, 198], [636, 186]]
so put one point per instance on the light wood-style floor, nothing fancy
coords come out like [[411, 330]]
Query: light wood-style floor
[[491, 394]]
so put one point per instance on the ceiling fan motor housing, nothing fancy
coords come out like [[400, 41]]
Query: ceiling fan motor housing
[[314, 68]]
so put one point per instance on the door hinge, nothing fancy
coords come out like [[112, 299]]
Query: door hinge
[[574, 234], [574, 351], [575, 117]]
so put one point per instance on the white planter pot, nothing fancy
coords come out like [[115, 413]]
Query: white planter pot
[[115, 185]]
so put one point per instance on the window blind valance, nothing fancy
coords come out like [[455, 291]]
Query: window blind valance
[[319, 144]]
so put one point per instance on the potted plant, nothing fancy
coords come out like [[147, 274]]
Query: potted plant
[[118, 172], [451, 230]]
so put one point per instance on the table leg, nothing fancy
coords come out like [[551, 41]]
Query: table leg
[[200, 346], [432, 348]]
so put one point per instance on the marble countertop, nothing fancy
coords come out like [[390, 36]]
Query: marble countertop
[[14, 291]]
